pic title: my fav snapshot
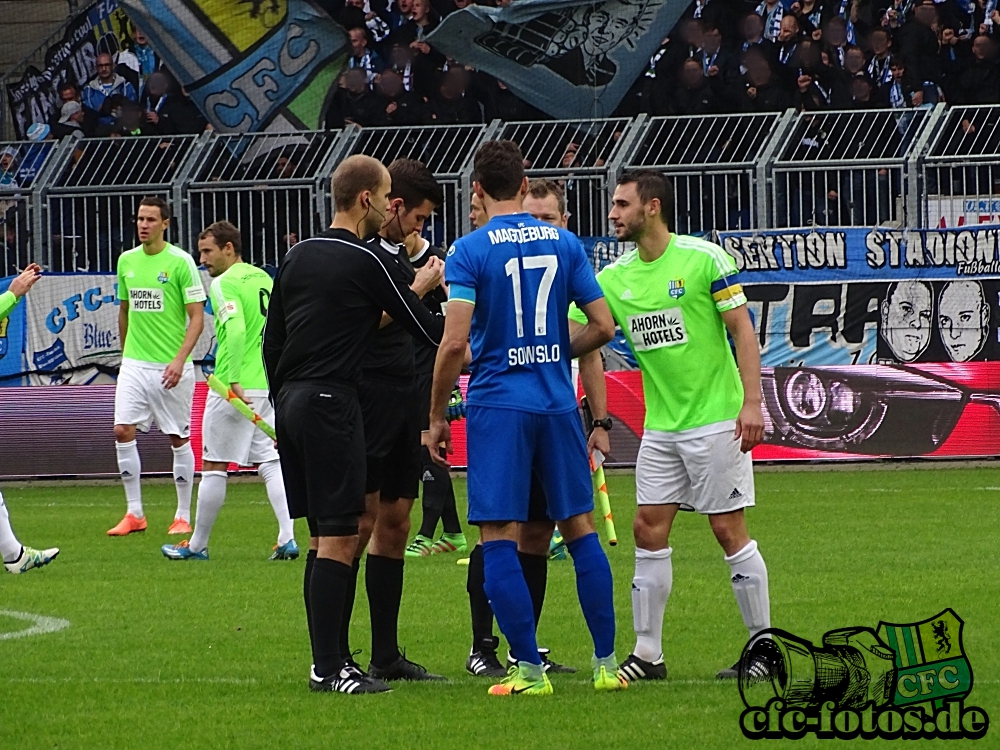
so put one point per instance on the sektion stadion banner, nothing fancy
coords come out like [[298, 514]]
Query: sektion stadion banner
[[874, 342]]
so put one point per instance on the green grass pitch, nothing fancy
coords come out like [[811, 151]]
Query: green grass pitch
[[163, 654]]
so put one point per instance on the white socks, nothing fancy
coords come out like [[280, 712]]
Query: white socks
[[130, 468], [654, 575], [211, 497], [270, 472], [749, 577], [183, 479], [10, 548]]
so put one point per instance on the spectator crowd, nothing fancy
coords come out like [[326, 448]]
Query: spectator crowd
[[723, 56]]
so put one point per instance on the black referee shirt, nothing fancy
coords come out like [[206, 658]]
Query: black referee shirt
[[390, 351], [434, 301], [326, 304]]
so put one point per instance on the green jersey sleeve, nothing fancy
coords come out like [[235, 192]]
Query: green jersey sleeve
[[7, 303], [190, 280], [230, 325], [726, 290]]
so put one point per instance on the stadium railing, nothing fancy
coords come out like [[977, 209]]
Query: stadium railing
[[70, 205], [447, 150], [718, 165], [850, 168], [94, 188], [274, 186], [960, 170], [580, 155], [23, 169]]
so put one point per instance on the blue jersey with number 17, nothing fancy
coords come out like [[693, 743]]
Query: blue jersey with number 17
[[521, 274]]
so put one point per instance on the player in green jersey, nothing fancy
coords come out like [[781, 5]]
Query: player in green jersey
[[160, 319], [675, 297], [16, 557], [239, 297]]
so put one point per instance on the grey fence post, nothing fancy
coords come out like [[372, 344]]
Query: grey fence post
[[187, 232], [40, 226], [630, 141], [764, 180], [322, 192], [916, 214]]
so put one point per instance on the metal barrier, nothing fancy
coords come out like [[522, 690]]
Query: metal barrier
[[274, 186], [961, 169], [70, 205], [94, 191], [23, 166], [716, 164], [446, 150], [580, 155], [847, 169]]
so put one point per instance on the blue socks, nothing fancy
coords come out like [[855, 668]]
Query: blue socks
[[595, 589], [511, 601]]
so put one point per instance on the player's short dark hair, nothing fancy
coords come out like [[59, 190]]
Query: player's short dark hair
[[352, 177], [414, 183], [650, 184], [499, 169], [223, 232], [543, 188], [155, 200]]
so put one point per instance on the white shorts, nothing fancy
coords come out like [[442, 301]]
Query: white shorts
[[227, 436], [141, 399], [700, 469]]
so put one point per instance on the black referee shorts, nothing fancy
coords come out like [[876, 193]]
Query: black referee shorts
[[321, 443], [391, 415]]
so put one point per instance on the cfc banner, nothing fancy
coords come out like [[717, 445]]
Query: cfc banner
[[567, 58], [72, 322], [249, 66]]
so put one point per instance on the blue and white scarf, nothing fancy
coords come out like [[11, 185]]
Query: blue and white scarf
[[896, 97], [879, 71], [772, 19]]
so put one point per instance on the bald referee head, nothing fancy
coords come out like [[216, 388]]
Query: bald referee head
[[360, 186]]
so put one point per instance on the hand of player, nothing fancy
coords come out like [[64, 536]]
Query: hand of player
[[429, 276], [20, 285], [750, 427], [237, 390], [439, 432], [599, 440], [172, 374]]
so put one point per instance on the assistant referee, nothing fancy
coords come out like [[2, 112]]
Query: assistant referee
[[325, 306]]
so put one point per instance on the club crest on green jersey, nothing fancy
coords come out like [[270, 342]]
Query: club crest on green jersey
[[676, 288], [163, 278]]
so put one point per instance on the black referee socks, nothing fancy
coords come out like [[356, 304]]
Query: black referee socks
[[536, 575], [345, 625], [479, 604], [310, 562], [327, 592], [384, 582]]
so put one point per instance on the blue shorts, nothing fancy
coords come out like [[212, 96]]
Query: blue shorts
[[505, 445]]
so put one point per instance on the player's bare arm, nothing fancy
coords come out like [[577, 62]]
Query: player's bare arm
[[750, 422], [451, 357], [196, 322], [23, 283], [598, 331], [122, 321], [596, 391]]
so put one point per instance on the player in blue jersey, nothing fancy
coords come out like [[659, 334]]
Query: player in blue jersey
[[511, 283]]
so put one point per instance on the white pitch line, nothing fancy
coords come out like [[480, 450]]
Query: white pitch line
[[42, 624]]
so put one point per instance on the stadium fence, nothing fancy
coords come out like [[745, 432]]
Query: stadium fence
[[70, 205]]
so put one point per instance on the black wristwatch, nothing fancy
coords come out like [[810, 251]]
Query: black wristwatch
[[605, 423]]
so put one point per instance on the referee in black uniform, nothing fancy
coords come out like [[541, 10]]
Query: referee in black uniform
[[391, 410], [325, 306]]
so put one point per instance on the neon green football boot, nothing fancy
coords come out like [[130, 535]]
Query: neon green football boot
[[606, 675], [525, 679]]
